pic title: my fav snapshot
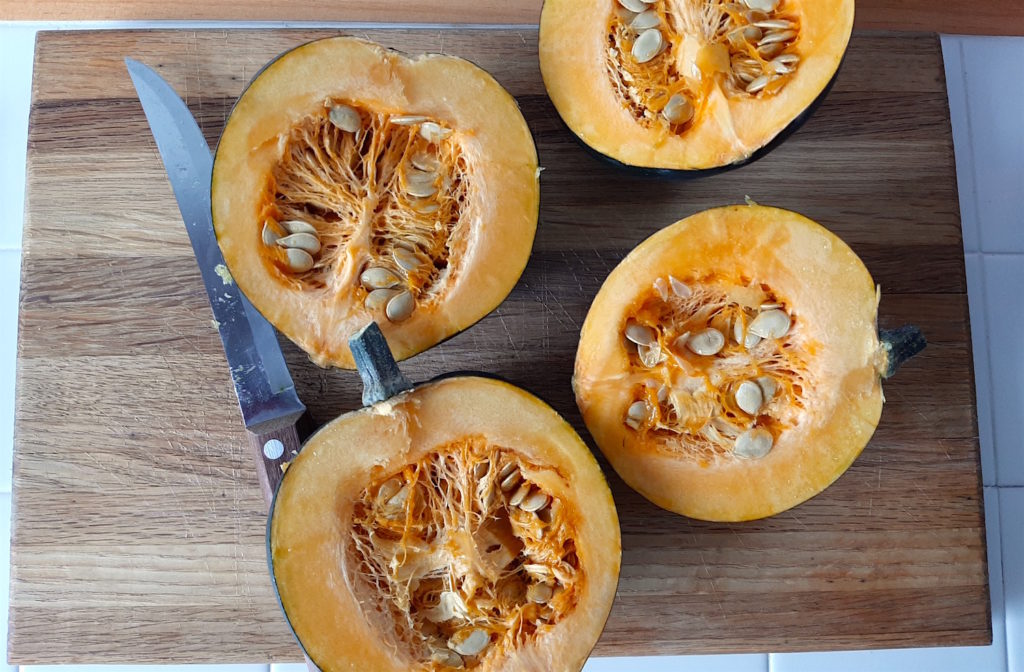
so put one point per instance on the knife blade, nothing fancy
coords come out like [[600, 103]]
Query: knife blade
[[266, 394]]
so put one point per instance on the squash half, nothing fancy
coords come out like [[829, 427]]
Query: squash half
[[730, 366], [352, 183], [689, 84], [462, 524]]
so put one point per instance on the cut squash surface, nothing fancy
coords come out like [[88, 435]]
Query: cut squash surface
[[688, 84], [353, 183], [461, 525], [730, 367]]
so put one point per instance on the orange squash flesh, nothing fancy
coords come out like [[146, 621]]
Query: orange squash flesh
[[436, 183], [617, 104], [825, 370], [333, 522]]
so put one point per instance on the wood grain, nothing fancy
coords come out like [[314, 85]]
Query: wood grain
[[138, 525], [991, 17]]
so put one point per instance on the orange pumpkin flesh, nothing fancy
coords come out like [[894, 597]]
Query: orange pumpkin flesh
[[670, 415], [727, 81], [352, 183], [393, 540]]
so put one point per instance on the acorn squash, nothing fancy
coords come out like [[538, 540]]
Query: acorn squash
[[458, 524], [689, 84], [352, 183], [730, 366]]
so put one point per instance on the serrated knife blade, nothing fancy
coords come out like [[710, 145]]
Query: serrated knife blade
[[266, 395]]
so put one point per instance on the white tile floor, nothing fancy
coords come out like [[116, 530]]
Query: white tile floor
[[989, 141]]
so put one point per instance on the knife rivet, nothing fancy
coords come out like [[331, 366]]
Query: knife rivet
[[273, 449]]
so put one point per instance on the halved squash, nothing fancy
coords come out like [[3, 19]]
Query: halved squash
[[459, 524], [730, 366], [352, 183], [689, 84]]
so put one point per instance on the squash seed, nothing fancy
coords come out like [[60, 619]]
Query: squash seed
[[407, 119], [762, 5], [406, 259], [680, 288], [775, 24], [749, 397], [378, 278], [769, 306], [751, 339], [650, 355], [539, 593], [636, 6], [299, 261], [379, 298], [753, 443], [644, 20], [770, 324], [446, 657], [648, 45], [345, 118], [269, 235], [706, 342], [535, 502], [388, 489], [738, 328], [777, 36], [770, 51], [510, 480], [400, 307], [433, 132], [678, 110], [757, 84], [636, 413], [768, 387], [425, 161], [420, 189], [298, 226], [520, 494], [301, 241], [469, 642], [639, 334], [424, 206]]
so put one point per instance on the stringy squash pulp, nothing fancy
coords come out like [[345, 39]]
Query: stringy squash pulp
[[474, 531], [354, 184], [688, 84], [729, 368]]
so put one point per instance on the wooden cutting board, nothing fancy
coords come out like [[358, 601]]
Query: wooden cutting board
[[988, 17], [138, 522]]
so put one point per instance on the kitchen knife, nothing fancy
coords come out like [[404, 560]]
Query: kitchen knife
[[266, 395]]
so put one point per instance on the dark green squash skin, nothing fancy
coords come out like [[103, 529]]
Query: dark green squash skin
[[689, 174]]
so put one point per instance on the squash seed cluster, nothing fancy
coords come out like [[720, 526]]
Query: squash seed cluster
[[721, 375], [664, 56], [365, 203], [463, 555]]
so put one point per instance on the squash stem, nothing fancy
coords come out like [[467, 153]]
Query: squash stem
[[900, 344], [376, 365]]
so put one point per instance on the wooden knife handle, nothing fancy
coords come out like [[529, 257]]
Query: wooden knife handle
[[272, 450]]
